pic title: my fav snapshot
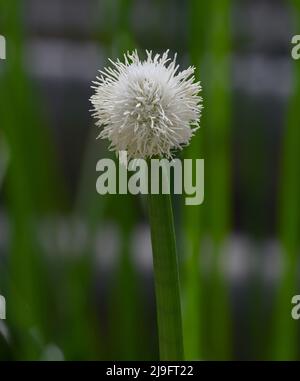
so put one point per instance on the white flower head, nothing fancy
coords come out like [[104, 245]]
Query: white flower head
[[147, 108]]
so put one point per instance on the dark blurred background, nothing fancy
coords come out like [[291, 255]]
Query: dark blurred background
[[76, 267]]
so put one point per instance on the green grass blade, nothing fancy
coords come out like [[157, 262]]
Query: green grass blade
[[166, 277], [218, 194], [193, 286], [31, 188], [285, 328]]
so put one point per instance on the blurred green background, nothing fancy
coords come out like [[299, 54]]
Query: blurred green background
[[76, 267]]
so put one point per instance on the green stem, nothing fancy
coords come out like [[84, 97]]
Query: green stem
[[193, 283], [218, 161], [284, 346], [166, 277]]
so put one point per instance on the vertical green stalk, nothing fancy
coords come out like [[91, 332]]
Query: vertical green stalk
[[285, 328], [217, 198], [31, 188], [166, 277], [193, 285]]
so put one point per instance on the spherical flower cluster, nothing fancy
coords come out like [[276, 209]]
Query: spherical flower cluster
[[147, 108]]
